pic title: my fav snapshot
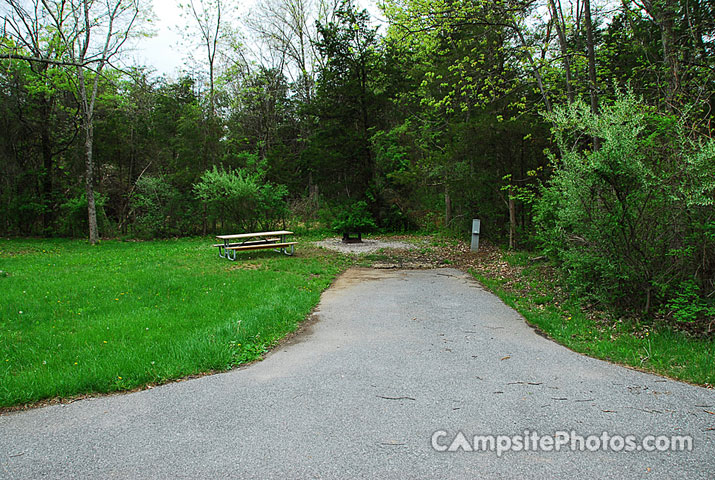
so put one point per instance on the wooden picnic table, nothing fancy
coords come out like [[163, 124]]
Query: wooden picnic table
[[254, 241]]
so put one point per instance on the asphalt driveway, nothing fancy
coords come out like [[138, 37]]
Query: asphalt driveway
[[398, 366]]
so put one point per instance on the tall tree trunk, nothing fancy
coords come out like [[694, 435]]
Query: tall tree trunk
[[88, 120], [212, 101], [89, 168], [670, 54], [47, 167], [204, 219], [557, 16], [591, 56], [447, 207], [663, 13], [512, 220], [593, 87], [535, 70]]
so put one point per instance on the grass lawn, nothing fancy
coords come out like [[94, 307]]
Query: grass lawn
[[78, 319]]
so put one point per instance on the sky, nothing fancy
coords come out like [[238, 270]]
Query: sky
[[164, 51]]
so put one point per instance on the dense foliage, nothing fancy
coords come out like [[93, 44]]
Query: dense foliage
[[239, 199], [634, 221]]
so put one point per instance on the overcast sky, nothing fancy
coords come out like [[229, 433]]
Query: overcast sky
[[164, 51]]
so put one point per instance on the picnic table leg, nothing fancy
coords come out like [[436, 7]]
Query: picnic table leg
[[228, 254], [281, 239], [284, 249], [224, 253]]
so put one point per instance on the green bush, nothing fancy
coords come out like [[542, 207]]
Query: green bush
[[74, 221], [154, 204], [242, 198], [628, 221], [353, 218], [22, 209], [688, 303]]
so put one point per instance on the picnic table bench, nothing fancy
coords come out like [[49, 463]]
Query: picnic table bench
[[254, 241]]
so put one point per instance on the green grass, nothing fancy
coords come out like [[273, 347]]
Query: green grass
[[653, 348], [78, 319]]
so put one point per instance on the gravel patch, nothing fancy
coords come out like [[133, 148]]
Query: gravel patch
[[367, 246]]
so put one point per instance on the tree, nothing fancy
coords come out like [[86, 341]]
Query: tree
[[25, 40], [346, 103], [681, 56], [557, 19], [591, 49], [208, 18], [117, 20], [505, 33], [289, 28], [209, 30], [86, 36], [260, 107], [476, 74]]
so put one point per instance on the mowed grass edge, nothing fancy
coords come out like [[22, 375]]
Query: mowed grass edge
[[647, 347], [78, 319]]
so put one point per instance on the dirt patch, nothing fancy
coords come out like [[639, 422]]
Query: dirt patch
[[247, 266], [15, 253], [304, 330], [354, 276]]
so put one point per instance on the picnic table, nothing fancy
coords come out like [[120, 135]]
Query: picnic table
[[254, 241]]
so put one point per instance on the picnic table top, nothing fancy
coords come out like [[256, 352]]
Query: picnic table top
[[256, 234]]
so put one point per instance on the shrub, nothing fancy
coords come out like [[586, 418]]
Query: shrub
[[627, 220], [154, 203], [687, 304], [74, 221], [353, 219], [242, 198]]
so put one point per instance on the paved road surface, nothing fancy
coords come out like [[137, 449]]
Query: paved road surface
[[395, 357]]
